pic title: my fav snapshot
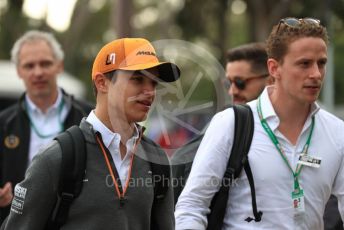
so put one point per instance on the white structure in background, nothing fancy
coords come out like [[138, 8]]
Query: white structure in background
[[11, 86]]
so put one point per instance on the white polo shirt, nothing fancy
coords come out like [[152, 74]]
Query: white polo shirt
[[273, 179]]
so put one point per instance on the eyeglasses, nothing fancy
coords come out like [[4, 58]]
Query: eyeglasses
[[297, 22], [239, 82]]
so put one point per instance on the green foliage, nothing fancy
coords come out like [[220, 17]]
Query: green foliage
[[208, 23], [339, 70], [239, 30], [196, 17], [8, 32]]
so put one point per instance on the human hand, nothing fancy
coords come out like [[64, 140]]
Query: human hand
[[6, 194]]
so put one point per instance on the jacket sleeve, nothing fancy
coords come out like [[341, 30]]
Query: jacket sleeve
[[35, 197]]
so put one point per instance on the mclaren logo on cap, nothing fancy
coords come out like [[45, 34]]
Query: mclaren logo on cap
[[145, 53], [110, 59]]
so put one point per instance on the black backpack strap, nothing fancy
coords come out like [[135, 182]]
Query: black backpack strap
[[257, 214], [244, 128], [246, 145], [243, 133], [72, 171]]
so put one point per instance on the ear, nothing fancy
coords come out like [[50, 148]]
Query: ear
[[101, 83], [273, 67]]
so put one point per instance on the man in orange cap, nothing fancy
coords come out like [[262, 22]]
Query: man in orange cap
[[117, 189]]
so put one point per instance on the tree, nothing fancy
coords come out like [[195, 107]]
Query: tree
[[9, 33]]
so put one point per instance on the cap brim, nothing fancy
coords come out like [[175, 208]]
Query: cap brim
[[168, 72]]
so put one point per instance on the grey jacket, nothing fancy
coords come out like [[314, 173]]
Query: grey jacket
[[97, 206]]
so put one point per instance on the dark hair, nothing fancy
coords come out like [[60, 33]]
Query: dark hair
[[254, 53], [282, 35]]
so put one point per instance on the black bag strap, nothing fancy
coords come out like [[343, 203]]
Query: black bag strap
[[244, 128], [257, 214], [248, 118], [73, 164], [243, 133]]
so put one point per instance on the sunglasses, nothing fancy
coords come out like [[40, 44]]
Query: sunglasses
[[239, 82], [297, 22]]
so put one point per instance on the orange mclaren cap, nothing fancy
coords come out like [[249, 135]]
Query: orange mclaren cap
[[132, 54]]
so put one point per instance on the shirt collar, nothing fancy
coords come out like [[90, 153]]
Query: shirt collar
[[266, 106], [32, 107], [314, 109], [268, 110], [107, 135]]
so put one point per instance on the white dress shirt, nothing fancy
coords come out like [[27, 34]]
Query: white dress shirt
[[112, 141], [273, 179], [48, 124]]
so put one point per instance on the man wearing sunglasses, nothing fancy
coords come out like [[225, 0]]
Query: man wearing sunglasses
[[297, 150], [246, 77], [246, 72]]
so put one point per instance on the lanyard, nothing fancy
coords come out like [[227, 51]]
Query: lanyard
[[118, 187], [35, 129], [279, 148]]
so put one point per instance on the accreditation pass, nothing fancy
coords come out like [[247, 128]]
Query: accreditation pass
[[308, 160]]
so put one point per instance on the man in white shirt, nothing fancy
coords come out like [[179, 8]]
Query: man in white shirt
[[297, 151], [246, 77]]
